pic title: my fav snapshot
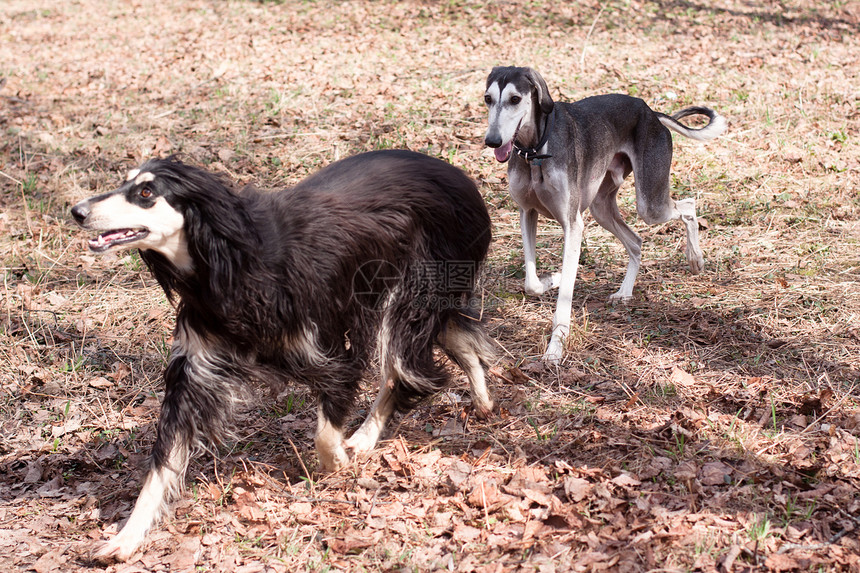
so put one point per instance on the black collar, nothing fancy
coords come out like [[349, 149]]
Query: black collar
[[531, 154]]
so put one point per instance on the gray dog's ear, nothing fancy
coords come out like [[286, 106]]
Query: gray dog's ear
[[544, 99]]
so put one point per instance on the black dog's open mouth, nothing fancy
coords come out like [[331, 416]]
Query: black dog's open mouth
[[116, 237]]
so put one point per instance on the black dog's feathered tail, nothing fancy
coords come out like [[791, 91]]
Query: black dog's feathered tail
[[424, 312], [715, 127], [467, 344]]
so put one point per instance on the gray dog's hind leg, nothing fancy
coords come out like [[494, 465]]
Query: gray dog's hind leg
[[651, 167]]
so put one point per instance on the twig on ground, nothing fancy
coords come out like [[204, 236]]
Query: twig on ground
[[588, 37], [372, 505], [7, 176], [302, 462]]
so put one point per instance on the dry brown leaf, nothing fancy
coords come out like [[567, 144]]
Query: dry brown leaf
[[354, 540], [120, 371], [487, 495], [100, 382], [681, 378], [301, 508], [576, 488], [715, 473], [686, 471], [466, 533], [53, 560], [252, 511], [34, 472], [626, 480]]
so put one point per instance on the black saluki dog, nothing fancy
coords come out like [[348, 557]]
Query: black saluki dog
[[379, 251]]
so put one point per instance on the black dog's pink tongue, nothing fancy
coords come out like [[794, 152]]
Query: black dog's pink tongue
[[504, 152]]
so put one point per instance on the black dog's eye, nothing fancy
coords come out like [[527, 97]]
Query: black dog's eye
[[516, 99], [145, 193]]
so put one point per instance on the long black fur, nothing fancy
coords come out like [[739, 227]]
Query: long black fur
[[268, 267]]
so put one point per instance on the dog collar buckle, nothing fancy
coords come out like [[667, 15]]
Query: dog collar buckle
[[531, 155]]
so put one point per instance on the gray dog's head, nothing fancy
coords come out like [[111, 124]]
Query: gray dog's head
[[515, 99]]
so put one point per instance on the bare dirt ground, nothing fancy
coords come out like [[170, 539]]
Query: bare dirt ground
[[711, 424]]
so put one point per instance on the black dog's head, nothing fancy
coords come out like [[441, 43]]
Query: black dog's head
[[143, 212], [158, 207], [194, 232]]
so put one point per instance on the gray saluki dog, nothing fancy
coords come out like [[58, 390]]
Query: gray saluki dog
[[567, 157]]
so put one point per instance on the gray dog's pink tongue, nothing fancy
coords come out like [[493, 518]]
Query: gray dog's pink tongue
[[504, 152]]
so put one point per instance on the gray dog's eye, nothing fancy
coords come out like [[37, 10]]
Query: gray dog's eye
[[488, 99], [516, 99]]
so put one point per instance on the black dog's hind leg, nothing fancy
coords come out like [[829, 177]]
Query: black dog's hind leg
[[200, 392], [409, 372]]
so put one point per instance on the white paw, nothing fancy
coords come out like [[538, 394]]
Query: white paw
[[554, 351], [543, 284], [535, 288], [483, 410], [621, 296], [360, 442], [119, 548], [333, 460], [696, 260]]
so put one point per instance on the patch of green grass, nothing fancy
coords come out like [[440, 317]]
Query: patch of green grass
[[28, 186], [581, 407], [543, 435], [293, 403], [680, 446], [792, 510], [740, 95], [74, 364], [838, 136], [759, 529], [226, 496], [247, 542], [132, 261], [773, 414], [507, 295]]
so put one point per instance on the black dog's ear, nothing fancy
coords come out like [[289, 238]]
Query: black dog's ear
[[221, 242], [222, 239], [544, 99]]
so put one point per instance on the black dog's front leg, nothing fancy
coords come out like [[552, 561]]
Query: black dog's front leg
[[198, 399], [333, 409]]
